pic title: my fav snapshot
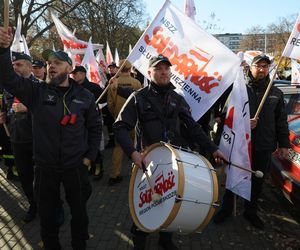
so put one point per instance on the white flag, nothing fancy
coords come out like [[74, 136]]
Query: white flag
[[117, 59], [19, 43], [295, 72], [189, 8], [109, 57], [292, 48], [130, 48], [70, 41], [101, 59], [203, 68], [91, 66], [236, 139]]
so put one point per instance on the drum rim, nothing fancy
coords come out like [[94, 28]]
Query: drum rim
[[180, 190]]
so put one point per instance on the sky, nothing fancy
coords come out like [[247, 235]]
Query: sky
[[234, 16]]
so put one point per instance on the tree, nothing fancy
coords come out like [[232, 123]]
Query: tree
[[117, 21]]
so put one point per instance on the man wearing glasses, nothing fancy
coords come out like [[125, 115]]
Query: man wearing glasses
[[268, 133]]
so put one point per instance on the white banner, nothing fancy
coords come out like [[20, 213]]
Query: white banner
[[117, 58], [295, 72], [190, 8], [292, 48], [71, 43], [91, 66], [108, 55], [236, 139], [203, 68], [19, 43]]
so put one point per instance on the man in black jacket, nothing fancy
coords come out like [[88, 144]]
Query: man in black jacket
[[267, 133], [79, 75], [20, 128], [158, 112], [66, 136]]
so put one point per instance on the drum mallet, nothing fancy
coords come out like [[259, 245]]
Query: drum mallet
[[155, 196], [257, 173]]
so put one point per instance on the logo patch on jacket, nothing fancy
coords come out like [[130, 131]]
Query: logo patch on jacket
[[49, 99]]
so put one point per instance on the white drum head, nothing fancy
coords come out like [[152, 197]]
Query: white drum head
[[165, 178]]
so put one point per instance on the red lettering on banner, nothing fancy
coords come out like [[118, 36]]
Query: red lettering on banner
[[72, 45], [185, 65], [161, 186]]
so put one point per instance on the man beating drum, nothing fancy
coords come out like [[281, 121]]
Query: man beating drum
[[158, 113]]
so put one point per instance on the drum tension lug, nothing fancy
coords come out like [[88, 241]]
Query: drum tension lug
[[178, 198]]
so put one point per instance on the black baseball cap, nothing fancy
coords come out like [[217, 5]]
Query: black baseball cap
[[61, 55], [261, 57], [15, 56], [157, 59], [79, 69], [113, 64], [38, 63]]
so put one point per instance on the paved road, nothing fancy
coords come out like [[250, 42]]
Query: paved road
[[110, 221]]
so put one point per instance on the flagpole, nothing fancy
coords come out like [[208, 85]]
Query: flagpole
[[267, 91], [6, 14], [121, 67], [6, 24], [115, 76]]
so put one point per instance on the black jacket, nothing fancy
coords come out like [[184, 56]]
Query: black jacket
[[56, 145], [159, 116], [19, 124], [272, 126]]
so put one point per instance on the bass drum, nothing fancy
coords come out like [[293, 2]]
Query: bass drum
[[187, 185]]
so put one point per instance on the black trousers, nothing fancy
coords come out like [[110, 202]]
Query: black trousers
[[139, 237], [261, 161], [25, 167], [77, 189]]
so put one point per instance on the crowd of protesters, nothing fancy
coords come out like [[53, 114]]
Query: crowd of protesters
[[53, 132]]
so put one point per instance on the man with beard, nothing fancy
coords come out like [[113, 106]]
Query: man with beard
[[66, 136]]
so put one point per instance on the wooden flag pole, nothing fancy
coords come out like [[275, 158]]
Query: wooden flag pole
[[267, 91], [115, 76], [6, 24], [6, 14]]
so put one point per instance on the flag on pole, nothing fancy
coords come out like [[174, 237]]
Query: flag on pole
[[203, 67], [19, 43], [292, 48], [236, 139], [101, 59], [109, 57], [130, 48], [190, 8], [70, 41], [117, 59], [295, 72], [91, 66]]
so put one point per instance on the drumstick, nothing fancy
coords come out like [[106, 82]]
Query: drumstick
[[155, 196], [257, 173]]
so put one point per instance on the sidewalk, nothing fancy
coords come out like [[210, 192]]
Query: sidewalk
[[110, 221]]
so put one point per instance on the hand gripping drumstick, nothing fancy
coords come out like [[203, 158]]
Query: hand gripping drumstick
[[257, 173], [154, 196]]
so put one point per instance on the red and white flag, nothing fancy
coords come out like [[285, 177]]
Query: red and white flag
[[101, 59], [70, 41], [203, 67], [19, 43], [109, 57], [91, 66], [236, 139], [117, 59], [190, 8], [292, 48], [295, 72]]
